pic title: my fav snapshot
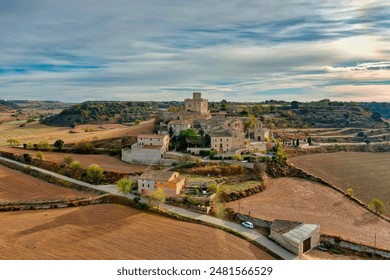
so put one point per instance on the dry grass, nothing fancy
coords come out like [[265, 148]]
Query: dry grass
[[368, 174], [114, 232], [302, 200], [36, 132]]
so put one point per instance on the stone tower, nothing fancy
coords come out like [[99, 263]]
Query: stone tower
[[197, 104]]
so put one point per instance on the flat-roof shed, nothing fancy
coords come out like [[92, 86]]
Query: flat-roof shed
[[296, 237]]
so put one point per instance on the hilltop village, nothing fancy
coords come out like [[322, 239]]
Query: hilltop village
[[205, 134], [300, 173]]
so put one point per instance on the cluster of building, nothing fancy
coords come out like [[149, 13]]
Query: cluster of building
[[227, 133]]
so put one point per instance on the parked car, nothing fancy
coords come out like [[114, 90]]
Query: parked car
[[247, 224]]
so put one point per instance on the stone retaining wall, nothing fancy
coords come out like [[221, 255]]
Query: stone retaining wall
[[342, 244]]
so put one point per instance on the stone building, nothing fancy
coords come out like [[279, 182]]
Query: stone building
[[297, 237], [149, 149], [197, 105], [169, 181], [221, 141], [261, 133]]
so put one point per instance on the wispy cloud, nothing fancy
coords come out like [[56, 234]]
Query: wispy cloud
[[78, 50]]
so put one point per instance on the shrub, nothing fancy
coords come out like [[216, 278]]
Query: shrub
[[68, 159], [136, 199], [377, 206], [59, 144], [43, 145], [75, 165], [13, 142], [83, 147], [350, 192], [213, 188], [40, 156], [124, 186], [238, 157], [27, 158], [94, 173]]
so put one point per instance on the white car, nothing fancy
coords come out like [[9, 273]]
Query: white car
[[247, 224]]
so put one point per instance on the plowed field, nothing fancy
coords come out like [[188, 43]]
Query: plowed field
[[114, 232], [302, 200], [106, 162], [368, 174], [17, 186]]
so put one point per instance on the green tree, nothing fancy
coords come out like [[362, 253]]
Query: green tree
[[170, 131], [213, 188], [377, 206], [75, 165], [350, 192], [137, 122], [40, 156], [280, 155], [59, 144], [94, 173], [43, 145], [124, 186], [13, 142], [68, 159], [376, 116], [27, 158], [238, 157], [156, 197]]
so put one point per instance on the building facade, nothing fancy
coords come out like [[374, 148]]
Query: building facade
[[149, 149], [169, 181]]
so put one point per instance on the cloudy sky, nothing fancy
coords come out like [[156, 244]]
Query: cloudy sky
[[249, 50]]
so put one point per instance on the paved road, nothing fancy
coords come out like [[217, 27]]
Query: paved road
[[251, 234]]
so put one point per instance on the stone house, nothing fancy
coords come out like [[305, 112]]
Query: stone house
[[221, 141], [149, 149], [178, 125], [169, 181], [297, 237]]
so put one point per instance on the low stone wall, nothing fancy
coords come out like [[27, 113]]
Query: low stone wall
[[200, 209], [342, 244], [37, 205], [196, 151]]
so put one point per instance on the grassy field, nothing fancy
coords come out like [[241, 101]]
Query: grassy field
[[302, 200], [240, 186], [17, 186], [368, 174], [35, 132], [106, 162], [110, 231]]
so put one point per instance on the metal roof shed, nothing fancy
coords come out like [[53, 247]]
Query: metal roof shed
[[296, 237]]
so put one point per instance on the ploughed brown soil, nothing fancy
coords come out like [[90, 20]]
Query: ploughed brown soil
[[368, 174], [302, 200], [106, 162], [108, 231], [17, 186]]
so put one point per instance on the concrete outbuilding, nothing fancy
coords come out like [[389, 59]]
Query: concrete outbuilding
[[297, 237]]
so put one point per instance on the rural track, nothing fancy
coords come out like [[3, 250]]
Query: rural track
[[251, 234]]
